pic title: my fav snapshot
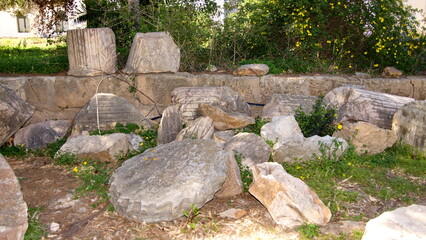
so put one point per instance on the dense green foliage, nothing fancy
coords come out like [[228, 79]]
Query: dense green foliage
[[290, 36], [32, 56], [320, 121]]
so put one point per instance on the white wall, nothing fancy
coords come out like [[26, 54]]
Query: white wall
[[9, 26]]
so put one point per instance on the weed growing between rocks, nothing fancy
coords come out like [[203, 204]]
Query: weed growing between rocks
[[35, 229], [254, 128], [245, 172], [320, 121]]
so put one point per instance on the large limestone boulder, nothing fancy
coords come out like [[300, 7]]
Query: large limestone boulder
[[13, 210], [252, 147], [108, 109], [303, 149], [225, 120], [251, 70], [153, 52], [170, 125], [409, 124], [40, 134], [287, 104], [106, 148], [188, 100], [14, 112], [366, 137], [201, 128], [281, 127], [402, 223], [356, 104], [91, 52], [159, 184], [288, 199]]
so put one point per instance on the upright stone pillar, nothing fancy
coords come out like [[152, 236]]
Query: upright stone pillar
[[91, 52], [153, 52]]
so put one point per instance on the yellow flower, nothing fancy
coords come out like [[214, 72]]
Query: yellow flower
[[336, 67], [328, 41], [298, 44], [145, 158], [350, 66], [376, 65], [349, 164], [153, 150], [365, 53], [339, 126], [357, 128], [344, 175], [298, 167], [141, 144], [85, 163], [75, 169], [22, 145], [155, 159], [302, 177]]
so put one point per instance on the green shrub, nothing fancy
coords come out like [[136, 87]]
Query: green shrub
[[319, 121]]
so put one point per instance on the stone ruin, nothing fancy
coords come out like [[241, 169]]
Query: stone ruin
[[199, 159]]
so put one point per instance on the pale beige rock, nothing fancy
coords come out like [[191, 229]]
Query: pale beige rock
[[342, 227], [109, 109], [251, 70], [401, 223], [288, 199], [356, 104], [281, 127], [366, 137], [13, 210], [409, 124], [170, 125], [391, 72], [14, 112], [233, 213], [106, 148], [153, 52], [272, 84], [225, 120], [201, 128], [188, 100], [252, 147], [287, 104], [303, 149], [233, 184], [222, 136], [91, 52]]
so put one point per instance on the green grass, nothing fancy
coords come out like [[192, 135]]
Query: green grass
[[35, 229], [32, 56], [395, 174]]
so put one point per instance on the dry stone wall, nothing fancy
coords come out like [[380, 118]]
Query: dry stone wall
[[61, 97]]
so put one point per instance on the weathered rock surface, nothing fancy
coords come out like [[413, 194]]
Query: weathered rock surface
[[356, 104], [14, 112], [201, 128], [225, 120], [391, 72], [222, 136], [170, 125], [13, 210], [99, 147], [111, 109], [189, 99], [233, 184], [402, 223], [287, 104], [153, 52], [160, 183], [40, 134], [366, 137], [281, 127], [251, 70], [233, 213], [342, 227], [409, 124], [302, 149], [135, 140], [288, 199], [252, 147], [91, 52]]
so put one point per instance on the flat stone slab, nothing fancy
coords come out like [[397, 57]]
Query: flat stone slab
[[159, 184], [109, 109]]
